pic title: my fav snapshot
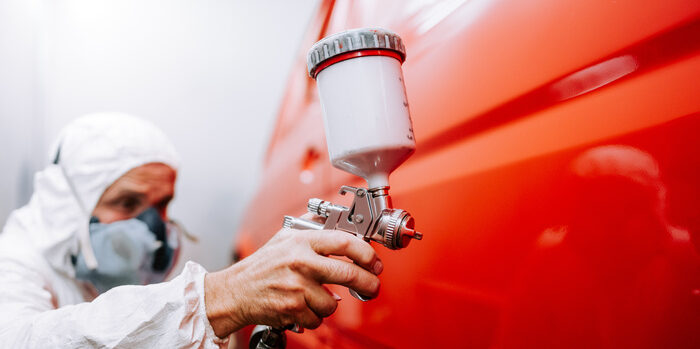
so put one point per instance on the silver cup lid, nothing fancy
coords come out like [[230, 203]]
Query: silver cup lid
[[352, 40]]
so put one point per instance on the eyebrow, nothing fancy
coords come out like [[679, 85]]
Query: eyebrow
[[126, 193]]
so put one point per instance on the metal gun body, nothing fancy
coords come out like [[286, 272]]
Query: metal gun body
[[371, 217]]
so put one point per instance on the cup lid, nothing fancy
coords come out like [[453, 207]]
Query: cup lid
[[329, 49]]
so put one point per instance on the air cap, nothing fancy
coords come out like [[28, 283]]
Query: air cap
[[354, 43]]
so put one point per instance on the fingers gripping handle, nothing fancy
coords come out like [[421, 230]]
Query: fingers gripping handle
[[298, 223]]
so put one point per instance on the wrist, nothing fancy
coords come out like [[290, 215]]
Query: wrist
[[220, 305]]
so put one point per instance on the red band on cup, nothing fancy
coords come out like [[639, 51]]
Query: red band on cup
[[355, 54]]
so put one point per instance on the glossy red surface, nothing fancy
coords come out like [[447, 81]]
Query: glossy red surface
[[556, 178]]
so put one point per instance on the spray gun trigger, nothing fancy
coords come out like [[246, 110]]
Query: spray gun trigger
[[358, 296]]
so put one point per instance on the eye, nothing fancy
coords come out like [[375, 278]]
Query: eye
[[129, 204]]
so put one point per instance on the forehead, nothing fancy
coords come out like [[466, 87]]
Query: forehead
[[154, 180]]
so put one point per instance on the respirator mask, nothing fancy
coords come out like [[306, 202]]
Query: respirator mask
[[135, 251]]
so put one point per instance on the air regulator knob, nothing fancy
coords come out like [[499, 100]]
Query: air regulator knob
[[318, 207]]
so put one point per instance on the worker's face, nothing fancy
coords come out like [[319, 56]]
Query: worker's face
[[150, 185]]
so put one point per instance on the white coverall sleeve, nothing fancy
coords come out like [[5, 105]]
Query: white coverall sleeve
[[165, 315]]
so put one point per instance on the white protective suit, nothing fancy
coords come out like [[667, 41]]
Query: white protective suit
[[42, 305]]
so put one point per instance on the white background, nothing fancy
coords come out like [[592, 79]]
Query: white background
[[210, 73]]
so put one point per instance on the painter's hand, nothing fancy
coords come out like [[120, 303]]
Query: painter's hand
[[282, 282]]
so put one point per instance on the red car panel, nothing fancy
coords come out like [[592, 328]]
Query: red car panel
[[555, 177]]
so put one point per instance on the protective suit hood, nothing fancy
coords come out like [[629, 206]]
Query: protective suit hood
[[92, 152]]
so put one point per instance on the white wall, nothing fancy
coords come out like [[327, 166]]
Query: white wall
[[210, 73], [20, 128]]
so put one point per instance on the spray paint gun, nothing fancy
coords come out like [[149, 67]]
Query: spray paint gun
[[369, 134]]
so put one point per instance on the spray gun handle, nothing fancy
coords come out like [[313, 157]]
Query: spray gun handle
[[268, 337]]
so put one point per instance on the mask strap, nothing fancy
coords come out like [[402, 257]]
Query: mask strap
[[84, 229]]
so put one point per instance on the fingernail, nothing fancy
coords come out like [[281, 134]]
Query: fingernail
[[337, 297], [378, 267]]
